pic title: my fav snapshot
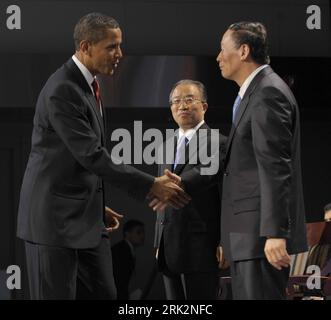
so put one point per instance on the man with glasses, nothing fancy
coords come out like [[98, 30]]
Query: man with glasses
[[187, 239]]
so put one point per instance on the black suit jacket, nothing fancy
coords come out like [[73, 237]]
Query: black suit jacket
[[123, 264], [62, 200], [191, 234], [262, 185]]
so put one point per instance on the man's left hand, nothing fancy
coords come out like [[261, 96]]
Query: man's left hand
[[112, 219]]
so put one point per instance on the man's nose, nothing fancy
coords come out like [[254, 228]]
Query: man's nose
[[119, 53], [183, 105]]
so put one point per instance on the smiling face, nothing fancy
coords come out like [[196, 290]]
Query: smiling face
[[103, 56], [230, 57], [190, 113]]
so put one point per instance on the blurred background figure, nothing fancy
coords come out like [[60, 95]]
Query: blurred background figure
[[124, 256], [327, 212]]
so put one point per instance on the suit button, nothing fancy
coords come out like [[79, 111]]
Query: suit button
[[225, 174], [162, 222]]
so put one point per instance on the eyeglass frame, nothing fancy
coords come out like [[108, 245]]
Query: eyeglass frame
[[182, 100]]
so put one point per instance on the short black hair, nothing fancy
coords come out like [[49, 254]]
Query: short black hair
[[327, 207], [131, 224], [92, 27], [254, 34], [196, 83]]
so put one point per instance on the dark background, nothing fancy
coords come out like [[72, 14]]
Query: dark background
[[164, 41]]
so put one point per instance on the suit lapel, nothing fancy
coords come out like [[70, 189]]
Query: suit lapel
[[241, 110], [243, 106], [94, 105], [104, 118], [168, 151], [81, 81], [194, 143]]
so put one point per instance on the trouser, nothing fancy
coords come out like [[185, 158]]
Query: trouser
[[65, 273], [188, 285], [257, 279]]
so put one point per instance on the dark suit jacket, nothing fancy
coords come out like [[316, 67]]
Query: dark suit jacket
[[191, 234], [262, 185], [123, 264], [62, 200]]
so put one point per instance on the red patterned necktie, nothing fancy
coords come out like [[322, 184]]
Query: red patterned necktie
[[96, 89]]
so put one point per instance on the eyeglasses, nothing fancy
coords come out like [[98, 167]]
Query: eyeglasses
[[186, 100]]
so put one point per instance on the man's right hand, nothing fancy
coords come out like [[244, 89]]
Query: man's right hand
[[276, 253], [169, 193], [156, 203], [222, 263]]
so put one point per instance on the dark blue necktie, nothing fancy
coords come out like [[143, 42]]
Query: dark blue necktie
[[180, 150], [235, 107]]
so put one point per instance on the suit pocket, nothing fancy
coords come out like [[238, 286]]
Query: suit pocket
[[246, 246], [66, 211], [71, 191], [246, 205]]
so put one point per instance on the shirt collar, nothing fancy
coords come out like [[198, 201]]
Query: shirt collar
[[249, 79], [190, 132], [86, 73]]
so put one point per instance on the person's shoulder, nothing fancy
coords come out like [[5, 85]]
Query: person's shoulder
[[272, 84]]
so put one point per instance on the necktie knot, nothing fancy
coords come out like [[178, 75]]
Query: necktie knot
[[235, 107]]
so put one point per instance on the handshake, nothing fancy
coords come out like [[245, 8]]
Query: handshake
[[168, 190]]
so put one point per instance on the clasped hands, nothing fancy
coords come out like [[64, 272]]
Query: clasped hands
[[165, 191], [168, 190]]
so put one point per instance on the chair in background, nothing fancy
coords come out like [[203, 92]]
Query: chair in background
[[319, 254]]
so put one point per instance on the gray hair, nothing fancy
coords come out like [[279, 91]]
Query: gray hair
[[198, 84]]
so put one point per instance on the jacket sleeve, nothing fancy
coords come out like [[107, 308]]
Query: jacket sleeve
[[70, 121], [272, 121]]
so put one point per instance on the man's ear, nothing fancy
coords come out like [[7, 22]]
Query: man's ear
[[205, 106], [244, 52], [85, 47]]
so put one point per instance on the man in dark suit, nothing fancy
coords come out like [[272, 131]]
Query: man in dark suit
[[124, 256], [187, 239], [263, 217], [61, 209]]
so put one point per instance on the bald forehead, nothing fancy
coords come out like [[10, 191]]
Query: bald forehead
[[227, 36]]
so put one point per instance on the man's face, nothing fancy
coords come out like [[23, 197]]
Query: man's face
[[137, 236], [187, 115], [104, 56], [229, 58], [327, 215]]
